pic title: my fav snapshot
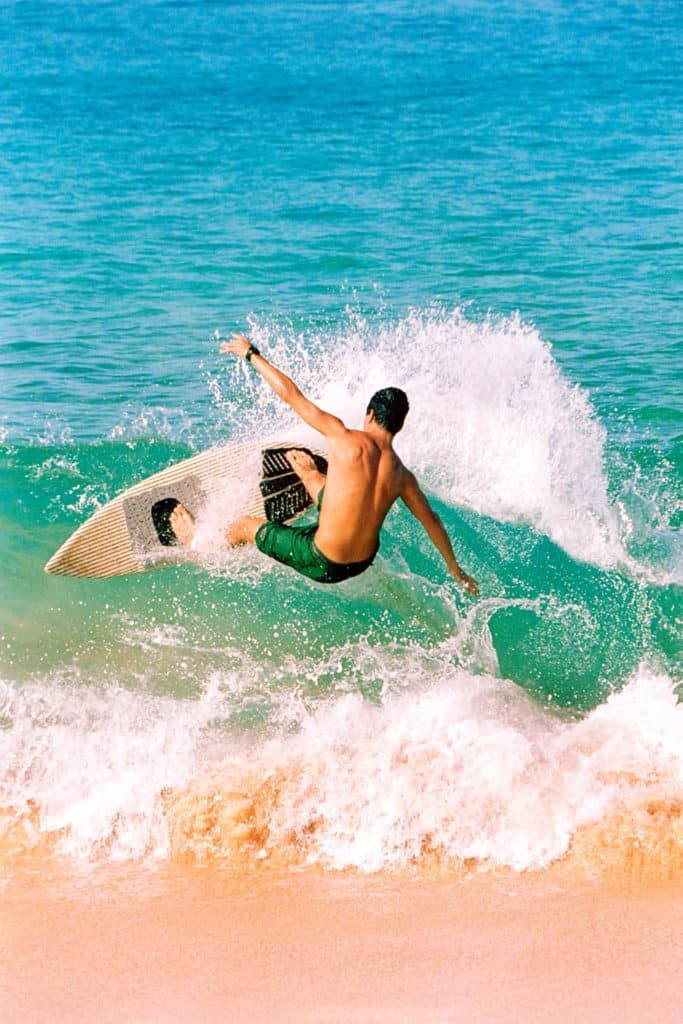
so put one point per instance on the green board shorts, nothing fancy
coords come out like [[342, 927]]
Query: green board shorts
[[295, 546]]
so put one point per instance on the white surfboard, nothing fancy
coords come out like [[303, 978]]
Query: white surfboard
[[131, 533]]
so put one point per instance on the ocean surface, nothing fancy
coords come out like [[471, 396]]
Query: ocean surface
[[478, 201]]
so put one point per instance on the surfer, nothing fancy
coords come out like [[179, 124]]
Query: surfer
[[364, 478]]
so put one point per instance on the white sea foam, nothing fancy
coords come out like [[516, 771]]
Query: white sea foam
[[93, 762], [466, 765], [473, 769]]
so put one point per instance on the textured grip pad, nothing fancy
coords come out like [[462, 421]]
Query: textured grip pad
[[146, 528]]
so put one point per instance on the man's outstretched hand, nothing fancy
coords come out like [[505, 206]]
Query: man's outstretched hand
[[238, 346], [467, 583]]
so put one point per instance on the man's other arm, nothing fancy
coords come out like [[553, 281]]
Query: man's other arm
[[417, 503]]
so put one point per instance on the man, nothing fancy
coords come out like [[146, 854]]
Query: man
[[364, 478]]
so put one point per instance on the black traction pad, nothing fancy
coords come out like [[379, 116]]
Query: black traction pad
[[284, 496], [278, 483]]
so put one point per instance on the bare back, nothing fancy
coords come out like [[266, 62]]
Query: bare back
[[364, 479]]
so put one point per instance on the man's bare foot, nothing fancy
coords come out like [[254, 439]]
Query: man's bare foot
[[301, 462], [307, 471], [182, 524]]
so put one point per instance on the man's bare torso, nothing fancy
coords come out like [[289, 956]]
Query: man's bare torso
[[364, 479]]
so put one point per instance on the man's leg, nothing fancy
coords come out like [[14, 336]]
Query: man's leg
[[242, 531], [307, 471]]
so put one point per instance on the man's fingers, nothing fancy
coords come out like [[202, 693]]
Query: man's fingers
[[238, 345], [229, 346], [470, 585]]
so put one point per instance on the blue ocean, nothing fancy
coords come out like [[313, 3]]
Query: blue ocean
[[480, 202]]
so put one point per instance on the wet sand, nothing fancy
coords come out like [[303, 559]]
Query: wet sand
[[186, 944]]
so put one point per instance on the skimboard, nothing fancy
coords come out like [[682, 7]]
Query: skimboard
[[132, 532]]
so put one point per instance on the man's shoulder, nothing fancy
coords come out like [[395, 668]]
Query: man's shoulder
[[349, 438]]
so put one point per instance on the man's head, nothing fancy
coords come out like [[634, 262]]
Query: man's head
[[389, 408]]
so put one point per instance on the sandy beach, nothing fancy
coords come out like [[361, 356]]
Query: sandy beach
[[188, 944]]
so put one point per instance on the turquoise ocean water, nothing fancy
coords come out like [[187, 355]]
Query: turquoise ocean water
[[480, 202]]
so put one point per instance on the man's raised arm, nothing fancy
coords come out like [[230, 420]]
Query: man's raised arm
[[284, 387], [417, 503]]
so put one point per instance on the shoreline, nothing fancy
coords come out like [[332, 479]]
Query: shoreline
[[187, 943]]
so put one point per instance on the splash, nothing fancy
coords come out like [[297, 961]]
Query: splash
[[460, 769], [86, 766]]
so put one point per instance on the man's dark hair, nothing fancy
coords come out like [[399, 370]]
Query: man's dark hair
[[390, 406]]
